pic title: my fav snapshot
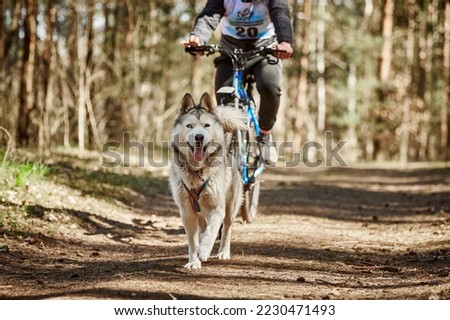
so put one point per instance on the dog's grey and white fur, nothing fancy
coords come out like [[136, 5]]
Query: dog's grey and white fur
[[204, 177]]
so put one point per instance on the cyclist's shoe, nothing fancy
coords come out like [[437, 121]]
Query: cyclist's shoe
[[268, 149]]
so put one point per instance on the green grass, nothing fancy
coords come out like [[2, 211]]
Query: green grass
[[20, 173], [25, 173], [16, 173]]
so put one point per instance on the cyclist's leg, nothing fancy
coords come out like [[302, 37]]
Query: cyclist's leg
[[268, 83], [223, 77]]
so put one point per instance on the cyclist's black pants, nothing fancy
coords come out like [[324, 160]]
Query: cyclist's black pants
[[268, 83]]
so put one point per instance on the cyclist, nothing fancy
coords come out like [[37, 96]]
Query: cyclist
[[246, 25]]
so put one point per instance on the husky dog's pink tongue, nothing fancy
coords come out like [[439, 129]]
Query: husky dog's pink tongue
[[198, 153]]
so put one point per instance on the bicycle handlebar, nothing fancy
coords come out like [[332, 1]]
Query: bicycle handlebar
[[208, 49], [237, 55]]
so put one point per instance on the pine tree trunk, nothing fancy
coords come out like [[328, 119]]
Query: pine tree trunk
[[426, 65], [302, 113], [82, 93], [384, 67], [445, 111], [404, 90], [2, 66], [14, 25], [26, 103], [353, 151], [386, 49], [2, 39], [116, 123], [197, 74], [82, 53], [321, 88], [351, 107], [44, 130]]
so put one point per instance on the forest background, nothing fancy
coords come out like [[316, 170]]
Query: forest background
[[77, 74]]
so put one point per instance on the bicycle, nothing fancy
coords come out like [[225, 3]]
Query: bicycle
[[246, 147]]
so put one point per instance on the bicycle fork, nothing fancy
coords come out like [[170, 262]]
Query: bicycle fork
[[244, 148]]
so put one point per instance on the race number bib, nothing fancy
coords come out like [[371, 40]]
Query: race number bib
[[246, 20]]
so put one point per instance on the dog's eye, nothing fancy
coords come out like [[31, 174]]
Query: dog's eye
[[190, 126], [206, 125]]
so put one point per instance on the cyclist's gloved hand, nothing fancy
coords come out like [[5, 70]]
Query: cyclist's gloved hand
[[192, 41], [285, 50]]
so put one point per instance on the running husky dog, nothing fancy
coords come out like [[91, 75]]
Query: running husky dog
[[204, 177]]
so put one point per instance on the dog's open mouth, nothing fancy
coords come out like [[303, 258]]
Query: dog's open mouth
[[199, 151]]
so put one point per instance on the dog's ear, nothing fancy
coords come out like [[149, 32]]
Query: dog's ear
[[233, 119], [207, 103], [187, 103]]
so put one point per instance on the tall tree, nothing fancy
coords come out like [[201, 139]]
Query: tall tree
[[2, 57], [353, 153], [321, 87], [26, 101], [426, 43], [445, 112], [47, 75], [303, 117], [405, 81], [84, 53], [2, 34], [384, 69], [386, 49], [196, 74]]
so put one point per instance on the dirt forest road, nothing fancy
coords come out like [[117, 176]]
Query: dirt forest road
[[342, 233]]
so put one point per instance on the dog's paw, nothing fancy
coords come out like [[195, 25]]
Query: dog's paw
[[193, 265], [224, 255], [203, 256]]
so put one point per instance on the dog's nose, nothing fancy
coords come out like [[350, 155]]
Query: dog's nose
[[198, 138]]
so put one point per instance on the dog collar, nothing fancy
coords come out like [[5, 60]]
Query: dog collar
[[195, 194]]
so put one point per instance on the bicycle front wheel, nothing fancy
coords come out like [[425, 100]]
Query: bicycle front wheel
[[249, 206]]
